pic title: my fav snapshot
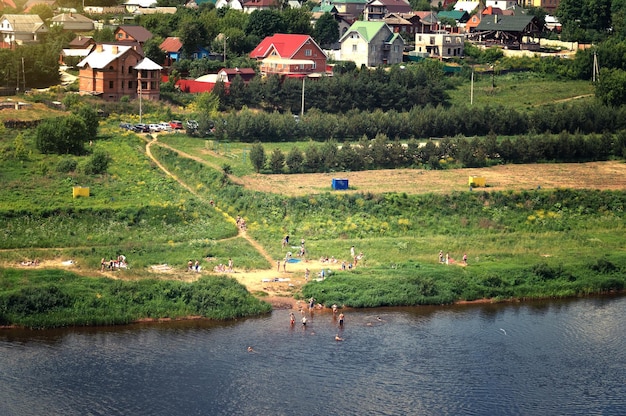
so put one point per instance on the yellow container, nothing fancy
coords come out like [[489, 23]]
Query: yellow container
[[80, 191], [476, 181]]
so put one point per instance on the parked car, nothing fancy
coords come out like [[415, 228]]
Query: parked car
[[165, 126], [141, 128], [126, 126], [176, 124], [154, 127], [192, 124]]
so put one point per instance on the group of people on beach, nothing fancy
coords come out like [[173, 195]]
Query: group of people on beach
[[113, 264], [449, 260]]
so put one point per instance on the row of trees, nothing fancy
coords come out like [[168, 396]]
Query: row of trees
[[585, 117], [398, 88], [381, 153]]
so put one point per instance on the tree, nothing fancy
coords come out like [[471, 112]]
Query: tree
[[298, 21], [90, 117], [326, 30], [43, 11], [277, 161], [257, 156], [63, 135], [192, 34], [263, 23], [104, 35], [152, 49], [295, 160], [611, 87]]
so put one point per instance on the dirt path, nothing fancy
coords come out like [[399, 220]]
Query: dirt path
[[279, 284]]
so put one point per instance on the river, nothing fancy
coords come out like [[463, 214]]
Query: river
[[539, 358]]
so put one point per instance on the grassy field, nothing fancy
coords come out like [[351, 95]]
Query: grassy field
[[519, 91], [521, 241]]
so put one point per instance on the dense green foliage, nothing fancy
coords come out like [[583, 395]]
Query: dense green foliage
[[51, 298], [582, 117], [381, 153]]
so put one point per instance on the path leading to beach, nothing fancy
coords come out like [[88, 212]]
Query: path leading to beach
[[273, 285]]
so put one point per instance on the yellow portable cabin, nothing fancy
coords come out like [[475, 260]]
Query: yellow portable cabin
[[80, 191], [476, 181]]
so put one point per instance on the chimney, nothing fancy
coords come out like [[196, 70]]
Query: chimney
[[99, 47], [114, 50]]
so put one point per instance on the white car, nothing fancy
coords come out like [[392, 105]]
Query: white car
[[154, 127], [163, 126]]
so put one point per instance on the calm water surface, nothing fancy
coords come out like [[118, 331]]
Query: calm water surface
[[540, 358]]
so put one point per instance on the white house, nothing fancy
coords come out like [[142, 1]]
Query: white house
[[501, 4], [466, 6], [440, 45], [371, 44], [17, 29]]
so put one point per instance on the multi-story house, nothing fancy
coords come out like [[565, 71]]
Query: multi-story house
[[371, 44], [290, 55], [440, 45], [112, 71]]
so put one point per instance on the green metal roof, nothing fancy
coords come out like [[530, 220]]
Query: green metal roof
[[457, 15], [366, 29], [504, 23]]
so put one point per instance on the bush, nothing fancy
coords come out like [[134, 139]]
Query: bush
[[66, 165], [98, 163]]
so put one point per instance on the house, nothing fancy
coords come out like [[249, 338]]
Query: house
[[429, 22], [440, 45], [289, 55], [132, 33], [466, 6], [112, 71], [227, 75], [133, 5], [251, 5], [231, 4], [371, 44], [378, 9], [508, 31], [353, 8], [81, 42], [461, 17], [73, 22], [548, 5], [404, 22], [173, 48], [474, 21], [501, 4], [17, 29]]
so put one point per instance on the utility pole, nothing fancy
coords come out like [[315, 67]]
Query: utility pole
[[302, 108]]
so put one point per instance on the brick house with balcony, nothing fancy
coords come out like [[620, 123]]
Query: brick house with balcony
[[289, 55], [112, 71]]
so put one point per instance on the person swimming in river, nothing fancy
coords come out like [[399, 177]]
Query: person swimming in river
[[338, 338]]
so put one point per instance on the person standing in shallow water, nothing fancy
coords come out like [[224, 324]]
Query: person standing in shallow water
[[341, 319], [292, 318]]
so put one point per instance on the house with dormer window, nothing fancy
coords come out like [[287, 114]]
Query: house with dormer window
[[289, 55], [112, 71], [371, 44]]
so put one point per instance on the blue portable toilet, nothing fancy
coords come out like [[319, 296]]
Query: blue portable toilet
[[340, 184]]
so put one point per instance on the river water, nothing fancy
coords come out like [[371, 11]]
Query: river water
[[538, 358]]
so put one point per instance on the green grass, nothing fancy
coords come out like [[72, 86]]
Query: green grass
[[518, 91], [53, 298]]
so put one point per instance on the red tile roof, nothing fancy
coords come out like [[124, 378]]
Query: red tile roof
[[286, 45], [171, 44]]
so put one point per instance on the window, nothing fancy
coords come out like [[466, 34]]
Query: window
[[130, 85], [130, 70], [111, 85], [308, 52], [353, 48]]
